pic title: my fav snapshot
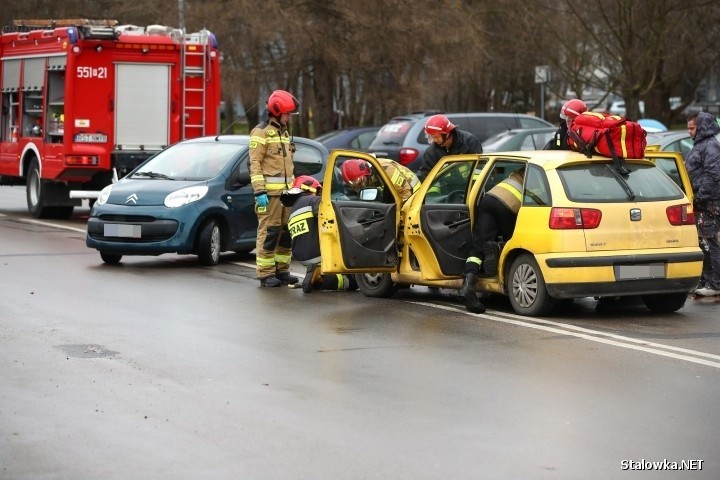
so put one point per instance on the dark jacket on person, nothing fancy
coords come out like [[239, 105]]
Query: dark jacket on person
[[463, 142], [559, 139], [303, 227], [703, 161]]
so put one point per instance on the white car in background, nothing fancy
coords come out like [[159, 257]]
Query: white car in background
[[618, 108]]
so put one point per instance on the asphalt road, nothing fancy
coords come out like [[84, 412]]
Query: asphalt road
[[159, 368]]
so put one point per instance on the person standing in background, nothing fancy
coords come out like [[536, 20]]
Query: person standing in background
[[703, 167]]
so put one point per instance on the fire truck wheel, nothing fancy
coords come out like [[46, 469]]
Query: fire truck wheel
[[110, 258], [209, 243], [34, 191], [39, 193]]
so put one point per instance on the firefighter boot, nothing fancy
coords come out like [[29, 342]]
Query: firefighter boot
[[286, 278], [352, 284], [270, 282], [468, 295], [307, 283], [491, 255]]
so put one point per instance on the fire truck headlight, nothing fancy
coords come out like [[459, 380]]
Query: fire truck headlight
[[104, 195], [185, 196]]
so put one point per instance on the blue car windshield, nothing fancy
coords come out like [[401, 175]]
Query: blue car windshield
[[190, 161]]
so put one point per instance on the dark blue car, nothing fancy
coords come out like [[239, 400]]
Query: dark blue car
[[194, 197], [350, 138]]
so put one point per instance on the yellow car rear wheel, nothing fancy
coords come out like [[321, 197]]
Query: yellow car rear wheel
[[526, 288]]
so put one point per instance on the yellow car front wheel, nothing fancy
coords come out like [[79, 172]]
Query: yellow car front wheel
[[376, 284]]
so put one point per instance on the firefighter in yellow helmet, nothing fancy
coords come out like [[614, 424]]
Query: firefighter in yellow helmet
[[271, 173]]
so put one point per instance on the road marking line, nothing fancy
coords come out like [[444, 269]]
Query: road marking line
[[54, 225], [580, 332], [613, 335], [592, 335]]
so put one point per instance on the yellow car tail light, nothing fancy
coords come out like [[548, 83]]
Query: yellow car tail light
[[680, 215], [570, 218]]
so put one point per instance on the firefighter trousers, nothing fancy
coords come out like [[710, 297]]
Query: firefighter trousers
[[272, 248]]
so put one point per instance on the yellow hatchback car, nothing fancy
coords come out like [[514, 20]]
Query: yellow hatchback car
[[583, 230]]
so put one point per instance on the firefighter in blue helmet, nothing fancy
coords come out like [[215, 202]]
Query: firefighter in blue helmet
[[304, 200]]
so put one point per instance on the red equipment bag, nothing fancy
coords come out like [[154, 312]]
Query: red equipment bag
[[611, 136]]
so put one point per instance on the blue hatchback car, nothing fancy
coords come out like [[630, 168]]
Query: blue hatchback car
[[194, 197]]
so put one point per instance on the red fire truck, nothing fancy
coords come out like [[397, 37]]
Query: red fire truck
[[85, 101]]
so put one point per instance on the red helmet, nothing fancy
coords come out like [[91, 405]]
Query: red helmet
[[572, 109], [438, 125], [354, 171], [306, 183], [280, 102]]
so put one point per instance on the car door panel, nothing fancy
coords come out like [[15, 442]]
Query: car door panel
[[240, 200], [358, 233], [440, 238], [367, 233], [448, 231]]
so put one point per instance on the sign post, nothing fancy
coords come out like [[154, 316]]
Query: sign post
[[542, 76]]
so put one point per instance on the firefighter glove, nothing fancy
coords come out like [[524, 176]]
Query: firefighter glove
[[262, 200]]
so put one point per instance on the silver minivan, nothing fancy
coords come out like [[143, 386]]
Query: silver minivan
[[403, 138]]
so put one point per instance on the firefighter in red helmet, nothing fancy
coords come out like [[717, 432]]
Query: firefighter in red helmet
[[568, 112], [304, 201], [271, 173], [444, 138], [358, 174]]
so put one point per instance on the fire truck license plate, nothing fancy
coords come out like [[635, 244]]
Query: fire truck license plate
[[117, 230], [91, 138]]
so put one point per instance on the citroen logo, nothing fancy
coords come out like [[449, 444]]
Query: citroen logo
[[132, 198], [635, 214]]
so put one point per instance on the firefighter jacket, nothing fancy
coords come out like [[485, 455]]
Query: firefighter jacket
[[509, 191], [402, 178], [303, 227], [271, 159], [463, 142]]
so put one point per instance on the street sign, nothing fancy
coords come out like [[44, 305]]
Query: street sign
[[542, 74]]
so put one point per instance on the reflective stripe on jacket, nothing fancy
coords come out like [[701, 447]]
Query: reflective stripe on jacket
[[509, 191], [303, 228], [403, 179], [271, 159]]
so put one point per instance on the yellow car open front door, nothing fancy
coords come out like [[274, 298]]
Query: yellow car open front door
[[358, 223]]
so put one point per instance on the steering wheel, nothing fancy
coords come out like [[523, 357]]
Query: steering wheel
[[456, 196]]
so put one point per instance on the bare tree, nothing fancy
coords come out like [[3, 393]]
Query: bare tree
[[358, 62]]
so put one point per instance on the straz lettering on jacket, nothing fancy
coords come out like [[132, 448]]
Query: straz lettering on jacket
[[298, 221]]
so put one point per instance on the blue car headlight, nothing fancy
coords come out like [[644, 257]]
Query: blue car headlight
[[185, 196], [104, 195]]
